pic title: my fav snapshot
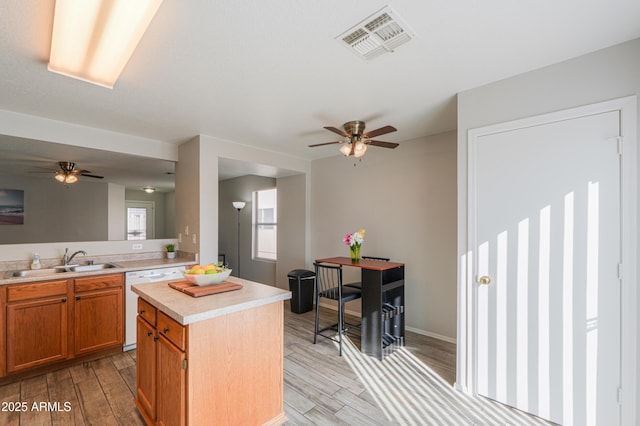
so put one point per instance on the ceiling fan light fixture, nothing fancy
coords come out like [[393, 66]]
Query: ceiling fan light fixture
[[93, 40], [346, 149], [60, 177], [70, 178], [149, 189], [359, 149]]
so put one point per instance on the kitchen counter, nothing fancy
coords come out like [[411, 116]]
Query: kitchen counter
[[186, 309], [121, 267], [216, 359]]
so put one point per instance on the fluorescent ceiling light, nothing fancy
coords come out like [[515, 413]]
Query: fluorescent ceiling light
[[93, 39]]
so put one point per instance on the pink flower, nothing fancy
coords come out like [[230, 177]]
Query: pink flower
[[347, 239]]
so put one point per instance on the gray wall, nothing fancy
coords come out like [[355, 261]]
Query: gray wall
[[291, 227], [241, 189], [606, 74], [405, 199], [54, 212]]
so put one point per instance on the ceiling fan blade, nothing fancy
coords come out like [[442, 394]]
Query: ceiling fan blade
[[338, 131], [91, 176], [377, 132], [325, 143], [383, 144], [44, 170]]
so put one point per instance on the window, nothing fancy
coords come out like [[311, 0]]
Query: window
[[265, 224]]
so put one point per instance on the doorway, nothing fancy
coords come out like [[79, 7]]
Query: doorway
[[140, 220]]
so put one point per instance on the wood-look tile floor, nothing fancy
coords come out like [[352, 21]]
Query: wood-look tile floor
[[412, 386]]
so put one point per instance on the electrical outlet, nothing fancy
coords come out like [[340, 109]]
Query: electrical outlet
[[193, 238], [137, 247]]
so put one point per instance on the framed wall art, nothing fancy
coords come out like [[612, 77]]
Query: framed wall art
[[11, 207]]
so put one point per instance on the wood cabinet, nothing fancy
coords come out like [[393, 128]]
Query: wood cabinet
[[146, 365], [99, 313], [172, 390], [223, 370], [48, 322], [36, 325], [161, 368]]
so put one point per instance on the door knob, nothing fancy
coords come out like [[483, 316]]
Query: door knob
[[484, 280]]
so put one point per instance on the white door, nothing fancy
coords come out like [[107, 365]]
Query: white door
[[547, 212]]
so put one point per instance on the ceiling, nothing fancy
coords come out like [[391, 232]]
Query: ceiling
[[271, 74]]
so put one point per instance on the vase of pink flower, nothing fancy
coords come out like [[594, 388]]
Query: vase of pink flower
[[354, 240]]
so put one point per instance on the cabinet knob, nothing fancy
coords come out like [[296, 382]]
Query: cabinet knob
[[155, 338], [165, 330], [77, 297], [141, 312], [149, 333], [64, 300]]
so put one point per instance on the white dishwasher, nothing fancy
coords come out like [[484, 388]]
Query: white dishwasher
[[131, 303]]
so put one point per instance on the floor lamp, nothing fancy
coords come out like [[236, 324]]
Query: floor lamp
[[238, 205]]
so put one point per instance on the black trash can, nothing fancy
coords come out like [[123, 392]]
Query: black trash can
[[301, 283]]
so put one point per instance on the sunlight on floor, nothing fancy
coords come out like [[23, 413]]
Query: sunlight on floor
[[411, 393]]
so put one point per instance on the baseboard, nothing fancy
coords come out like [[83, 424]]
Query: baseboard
[[430, 334], [412, 329], [346, 311]]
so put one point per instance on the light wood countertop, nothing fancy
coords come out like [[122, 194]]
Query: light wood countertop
[[186, 309]]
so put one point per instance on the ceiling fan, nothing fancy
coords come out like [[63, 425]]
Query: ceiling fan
[[68, 173], [356, 141]]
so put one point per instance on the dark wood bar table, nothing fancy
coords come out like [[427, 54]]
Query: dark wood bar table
[[382, 304]]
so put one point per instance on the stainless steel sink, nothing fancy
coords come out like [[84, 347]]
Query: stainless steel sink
[[34, 272], [58, 270], [94, 267]]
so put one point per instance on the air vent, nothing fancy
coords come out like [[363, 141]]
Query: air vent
[[379, 33]]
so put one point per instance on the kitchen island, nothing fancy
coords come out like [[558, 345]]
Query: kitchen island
[[216, 359]]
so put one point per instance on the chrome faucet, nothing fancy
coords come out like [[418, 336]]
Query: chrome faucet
[[67, 259]]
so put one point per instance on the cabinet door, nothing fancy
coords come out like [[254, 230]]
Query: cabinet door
[[146, 367], [37, 332], [98, 320], [171, 402]]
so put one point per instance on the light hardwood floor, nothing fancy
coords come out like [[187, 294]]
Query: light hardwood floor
[[413, 386]]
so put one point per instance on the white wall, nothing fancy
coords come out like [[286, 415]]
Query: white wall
[[607, 74], [44, 129], [188, 183], [406, 200]]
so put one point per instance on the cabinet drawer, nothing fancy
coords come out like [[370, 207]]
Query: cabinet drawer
[[19, 292], [172, 330], [98, 282], [147, 311]]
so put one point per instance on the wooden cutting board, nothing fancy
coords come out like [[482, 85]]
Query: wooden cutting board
[[204, 290]]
